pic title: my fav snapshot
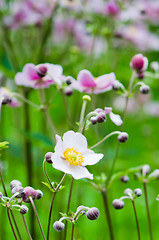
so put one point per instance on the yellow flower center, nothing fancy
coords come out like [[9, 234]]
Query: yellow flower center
[[73, 156]]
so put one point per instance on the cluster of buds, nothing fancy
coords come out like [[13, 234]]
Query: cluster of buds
[[129, 194], [145, 176], [139, 63], [91, 214], [99, 116], [7, 97], [24, 193]]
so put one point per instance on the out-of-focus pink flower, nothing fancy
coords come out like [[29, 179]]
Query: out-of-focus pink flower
[[111, 8], [139, 63], [29, 12], [89, 84], [72, 155], [31, 78]]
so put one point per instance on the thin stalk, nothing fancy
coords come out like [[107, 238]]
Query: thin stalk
[[11, 225], [107, 214], [46, 174], [83, 113], [26, 100], [26, 227], [72, 231], [37, 217], [106, 137], [148, 211], [68, 207], [66, 108], [52, 202], [137, 223]]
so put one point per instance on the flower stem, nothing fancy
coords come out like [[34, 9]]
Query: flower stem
[[72, 231], [26, 100], [106, 137], [68, 207], [66, 108], [26, 227], [36, 214], [148, 212], [137, 223], [107, 214], [11, 225], [52, 202], [82, 114], [46, 174]]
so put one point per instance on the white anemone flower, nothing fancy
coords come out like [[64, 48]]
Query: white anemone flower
[[72, 155]]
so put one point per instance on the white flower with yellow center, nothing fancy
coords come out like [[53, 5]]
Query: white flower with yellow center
[[72, 155]]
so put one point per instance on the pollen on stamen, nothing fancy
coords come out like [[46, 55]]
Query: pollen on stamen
[[73, 156]]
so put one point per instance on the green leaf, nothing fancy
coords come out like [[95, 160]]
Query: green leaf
[[48, 186], [3, 145]]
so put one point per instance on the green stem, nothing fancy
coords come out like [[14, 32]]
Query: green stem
[[47, 176], [72, 231], [107, 214], [137, 223], [37, 217], [82, 114], [148, 211], [68, 207], [11, 225], [26, 227], [106, 137]]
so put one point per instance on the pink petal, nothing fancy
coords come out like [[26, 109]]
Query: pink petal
[[105, 81], [30, 72], [91, 158], [86, 79], [107, 110], [115, 119]]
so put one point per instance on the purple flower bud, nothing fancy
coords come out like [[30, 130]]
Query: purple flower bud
[[118, 204], [68, 80], [124, 179], [155, 174], [138, 192], [139, 62], [28, 192], [23, 209], [93, 120], [58, 226], [15, 183], [123, 137], [101, 117], [144, 89], [92, 213], [41, 70], [1, 195], [6, 100], [145, 169], [128, 191], [19, 190], [68, 91], [48, 157], [141, 75], [39, 194]]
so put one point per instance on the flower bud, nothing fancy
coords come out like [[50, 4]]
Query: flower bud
[[68, 91], [124, 179], [15, 183], [140, 75], [93, 120], [28, 192], [23, 209], [145, 169], [19, 190], [118, 204], [92, 213], [139, 63], [41, 70], [39, 194], [1, 195], [48, 157], [6, 100], [123, 137], [128, 192], [86, 98], [154, 174], [116, 85], [68, 80], [101, 117], [138, 192], [58, 226], [144, 89]]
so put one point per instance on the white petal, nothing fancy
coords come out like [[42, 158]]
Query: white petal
[[91, 158], [60, 163], [78, 172], [77, 140], [59, 146], [115, 118]]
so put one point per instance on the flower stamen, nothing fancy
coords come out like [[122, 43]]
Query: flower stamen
[[73, 156]]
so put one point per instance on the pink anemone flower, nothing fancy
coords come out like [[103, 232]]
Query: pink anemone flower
[[72, 155], [89, 84]]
